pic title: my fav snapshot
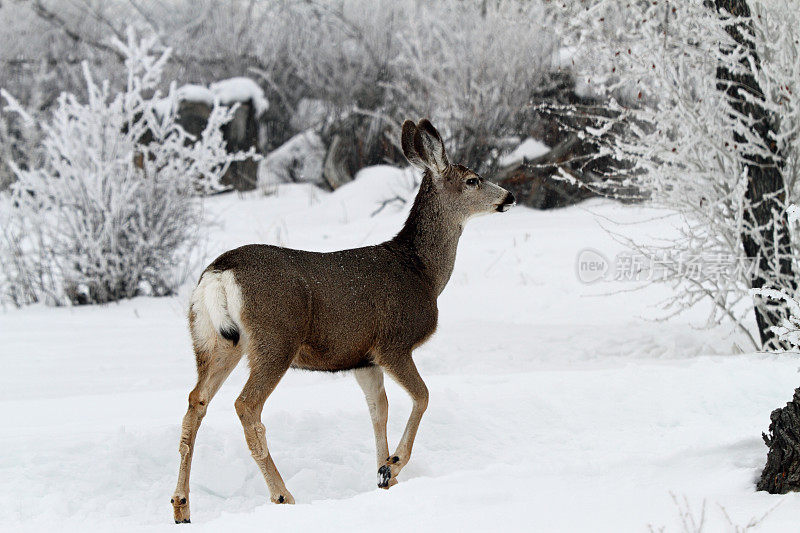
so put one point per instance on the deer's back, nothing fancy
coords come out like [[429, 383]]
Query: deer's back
[[343, 309]]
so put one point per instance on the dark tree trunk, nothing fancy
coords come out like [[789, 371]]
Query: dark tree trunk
[[766, 237], [782, 472]]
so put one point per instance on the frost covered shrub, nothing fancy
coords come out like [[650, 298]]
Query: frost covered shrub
[[789, 330], [17, 142], [475, 68], [704, 99], [471, 65], [20, 140], [89, 225]]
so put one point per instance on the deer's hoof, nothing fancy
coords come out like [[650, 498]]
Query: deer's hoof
[[283, 498], [392, 482], [180, 508], [387, 474], [385, 477]]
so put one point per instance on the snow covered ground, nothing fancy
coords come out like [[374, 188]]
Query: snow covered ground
[[555, 405]]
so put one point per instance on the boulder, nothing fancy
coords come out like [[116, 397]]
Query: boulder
[[533, 174], [298, 160], [194, 104]]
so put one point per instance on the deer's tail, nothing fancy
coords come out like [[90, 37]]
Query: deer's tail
[[215, 310]]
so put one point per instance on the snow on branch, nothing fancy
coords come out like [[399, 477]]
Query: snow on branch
[[682, 137], [107, 215]]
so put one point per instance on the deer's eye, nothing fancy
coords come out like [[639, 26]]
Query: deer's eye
[[472, 182]]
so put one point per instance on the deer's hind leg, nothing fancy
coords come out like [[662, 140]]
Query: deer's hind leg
[[269, 361], [215, 361]]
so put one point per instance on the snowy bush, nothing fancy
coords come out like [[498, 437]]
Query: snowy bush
[[471, 65], [93, 223], [474, 69], [705, 104], [789, 330], [19, 141]]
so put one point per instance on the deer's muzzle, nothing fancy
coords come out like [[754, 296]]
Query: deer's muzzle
[[508, 202]]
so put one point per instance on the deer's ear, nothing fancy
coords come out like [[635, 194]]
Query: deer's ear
[[430, 148], [407, 140]]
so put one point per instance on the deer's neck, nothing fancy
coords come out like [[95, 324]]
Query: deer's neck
[[431, 235]]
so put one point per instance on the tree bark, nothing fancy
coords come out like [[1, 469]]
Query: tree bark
[[765, 238], [782, 471]]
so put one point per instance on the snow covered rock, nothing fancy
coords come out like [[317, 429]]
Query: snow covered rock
[[192, 105], [310, 114], [240, 90], [529, 149], [227, 92], [195, 93], [241, 134], [188, 93], [298, 160]]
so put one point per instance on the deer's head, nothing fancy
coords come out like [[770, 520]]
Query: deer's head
[[461, 191]]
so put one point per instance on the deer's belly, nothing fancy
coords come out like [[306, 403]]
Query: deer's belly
[[328, 359]]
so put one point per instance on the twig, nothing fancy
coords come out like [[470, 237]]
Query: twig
[[56, 20], [395, 198]]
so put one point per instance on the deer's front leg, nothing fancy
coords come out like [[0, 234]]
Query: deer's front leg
[[405, 373], [370, 379]]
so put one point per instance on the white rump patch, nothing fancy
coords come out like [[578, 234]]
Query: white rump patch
[[217, 304]]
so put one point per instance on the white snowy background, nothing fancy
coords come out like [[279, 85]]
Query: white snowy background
[[555, 405]]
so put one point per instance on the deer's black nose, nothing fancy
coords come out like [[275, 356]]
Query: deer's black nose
[[507, 202]]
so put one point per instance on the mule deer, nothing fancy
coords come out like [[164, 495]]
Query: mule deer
[[364, 309]]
